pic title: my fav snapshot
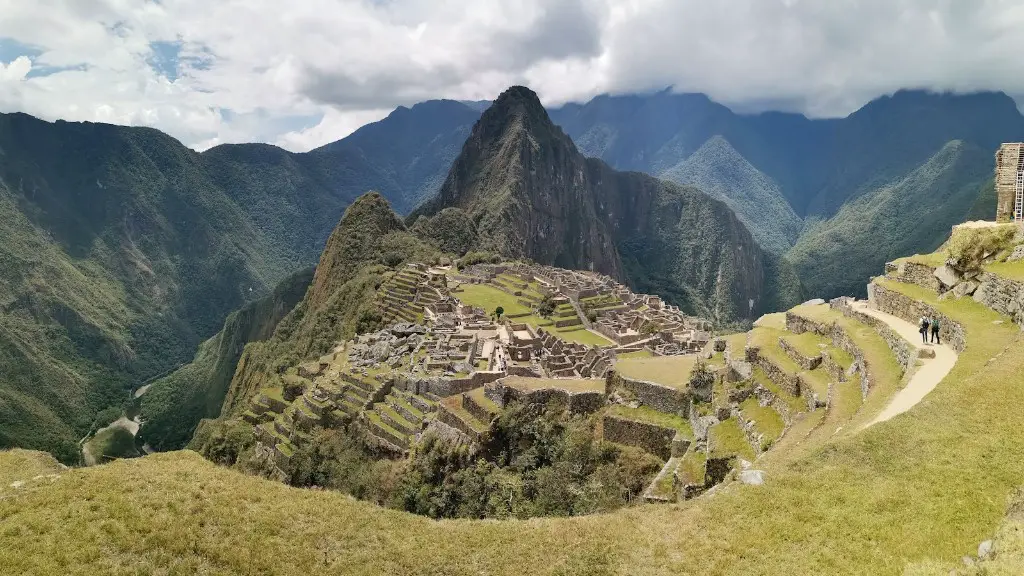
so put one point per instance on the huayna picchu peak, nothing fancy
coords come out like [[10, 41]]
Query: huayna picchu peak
[[531, 194]]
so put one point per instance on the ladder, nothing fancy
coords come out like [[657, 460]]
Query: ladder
[[1018, 201]]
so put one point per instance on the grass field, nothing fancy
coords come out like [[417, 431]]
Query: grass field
[[915, 494], [489, 298], [581, 336], [637, 354], [671, 371]]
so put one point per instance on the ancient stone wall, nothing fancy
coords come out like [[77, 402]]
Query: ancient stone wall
[[805, 362], [661, 398], [654, 439], [911, 310], [791, 383], [913, 273], [798, 325], [1003, 295], [449, 418], [905, 352], [834, 370]]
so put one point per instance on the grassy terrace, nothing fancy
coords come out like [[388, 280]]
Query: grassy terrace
[[581, 336], [808, 344], [927, 485], [766, 420], [1011, 270], [727, 439], [651, 416], [691, 467], [671, 371]]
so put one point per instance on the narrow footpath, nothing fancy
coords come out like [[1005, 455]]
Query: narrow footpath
[[925, 378]]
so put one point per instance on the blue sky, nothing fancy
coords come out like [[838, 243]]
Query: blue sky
[[301, 74]]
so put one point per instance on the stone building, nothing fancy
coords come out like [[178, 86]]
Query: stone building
[[1009, 181]]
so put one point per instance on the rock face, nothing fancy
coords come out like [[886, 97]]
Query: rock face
[[532, 194]]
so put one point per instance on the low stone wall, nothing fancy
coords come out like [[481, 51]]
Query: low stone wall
[[913, 273], [905, 307], [805, 362], [476, 410], [657, 396], [791, 383], [905, 352], [798, 325], [837, 372], [443, 387], [1003, 295], [841, 340], [446, 416], [654, 439], [577, 402]]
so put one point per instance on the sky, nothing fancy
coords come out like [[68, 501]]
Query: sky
[[302, 73]]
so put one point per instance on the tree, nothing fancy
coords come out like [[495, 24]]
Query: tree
[[499, 311], [546, 307]]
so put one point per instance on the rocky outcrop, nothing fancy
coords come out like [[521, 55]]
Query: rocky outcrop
[[1001, 294]]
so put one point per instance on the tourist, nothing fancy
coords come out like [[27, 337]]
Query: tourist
[[935, 331], [923, 329]]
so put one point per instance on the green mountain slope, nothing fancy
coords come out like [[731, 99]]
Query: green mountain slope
[[173, 406], [835, 255], [718, 170]]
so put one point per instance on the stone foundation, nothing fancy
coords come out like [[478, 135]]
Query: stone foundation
[[655, 439], [661, 398]]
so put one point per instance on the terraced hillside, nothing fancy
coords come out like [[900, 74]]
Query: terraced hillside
[[838, 494]]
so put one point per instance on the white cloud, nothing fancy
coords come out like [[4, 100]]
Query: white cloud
[[301, 74]]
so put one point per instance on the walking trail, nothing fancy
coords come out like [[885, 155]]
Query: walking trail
[[925, 378]]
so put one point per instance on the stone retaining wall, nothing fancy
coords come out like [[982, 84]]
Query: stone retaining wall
[[791, 383], [805, 362], [661, 398], [913, 273], [1003, 295], [905, 352], [449, 418], [837, 372], [577, 402], [476, 410], [905, 307], [840, 339], [654, 439]]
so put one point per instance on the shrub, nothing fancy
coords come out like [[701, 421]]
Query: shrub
[[970, 248]]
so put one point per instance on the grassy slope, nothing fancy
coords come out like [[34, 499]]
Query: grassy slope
[[928, 484]]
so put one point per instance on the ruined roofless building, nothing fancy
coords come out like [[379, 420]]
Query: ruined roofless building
[[1009, 182]]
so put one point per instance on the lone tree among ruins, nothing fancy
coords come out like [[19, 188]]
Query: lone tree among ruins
[[499, 311]]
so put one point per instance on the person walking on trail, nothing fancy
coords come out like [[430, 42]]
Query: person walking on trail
[[923, 329], [935, 331]]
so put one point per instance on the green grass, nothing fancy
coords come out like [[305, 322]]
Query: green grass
[[671, 371], [818, 380], [727, 439], [652, 416], [794, 403], [766, 420], [934, 259], [807, 344], [489, 298], [1010, 270], [567, 384], [767, 341], [581, 336], [691, 468]]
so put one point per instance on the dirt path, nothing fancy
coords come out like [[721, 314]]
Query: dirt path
[[925, 378]]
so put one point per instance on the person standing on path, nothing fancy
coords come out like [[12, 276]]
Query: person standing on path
[[923, 329], [935, 331]]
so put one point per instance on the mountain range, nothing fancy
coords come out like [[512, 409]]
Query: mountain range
[[122, 250]]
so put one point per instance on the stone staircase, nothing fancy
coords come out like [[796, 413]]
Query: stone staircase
[[399, 418]]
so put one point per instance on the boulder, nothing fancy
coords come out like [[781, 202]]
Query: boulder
[[814, 302], [925, 353], [752, 477], [1018, 254], [985, 549], [965, 288], [948, 276]]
